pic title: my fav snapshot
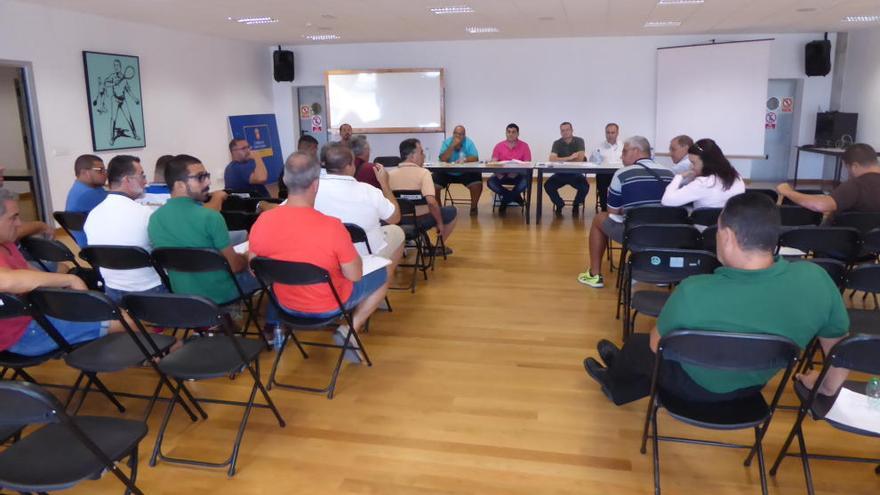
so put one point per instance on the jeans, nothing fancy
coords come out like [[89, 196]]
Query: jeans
[[602, 183], [115, 295], [36, 342], [367, 285], [520, 183], [575, 180]]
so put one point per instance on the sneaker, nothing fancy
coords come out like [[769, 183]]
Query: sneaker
[[600, 374], [351, 355], [607, 351], [594, 281]]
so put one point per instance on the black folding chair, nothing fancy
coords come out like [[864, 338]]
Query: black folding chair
[[770, 193], [798, 216], [871, 241], [358, 235], [121, 258], [707, 239], [108, 354], [10, 433], [705, 216], [201, 358], [648, 215], [835, 269], [14, 307], [840, 243], [659, 266], [856, 353], [864, 278], [271, 272], [732, 352], [67, 450], [387, 161], [202, 260], [239, 220], [416, 234], [863, 221], [71, 221]]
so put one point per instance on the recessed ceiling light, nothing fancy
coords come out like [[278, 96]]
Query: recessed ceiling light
[[481, 30], [679, 2], [659, 24], [321, 37], [861, 18], [458, 9], [253, 20]]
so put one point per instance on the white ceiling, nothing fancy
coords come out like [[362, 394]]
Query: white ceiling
[[358, 21]]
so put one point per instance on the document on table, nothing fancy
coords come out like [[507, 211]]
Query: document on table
[[241, 248], [853, 409], [371, 263]]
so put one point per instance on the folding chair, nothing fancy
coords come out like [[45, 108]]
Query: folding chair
[[13, 307], [871, 241], [387, 161], [835, 269], [770, 193], [647, 215], [10, 433], [108, 354], [841, 243], [239, 220], [121, 258], [798, 216], [856, 353], [358, 235], [409, 217], [863, 221], [705, 216], [659, 266], [67, 450], [201, 358], [864, 278], [707, 239], [271, 272], [722, 351], [414, 238], [71, 221], [202, 260], [449, 199], [52, 251]]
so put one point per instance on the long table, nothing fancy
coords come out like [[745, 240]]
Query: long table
[[837, 153], [567, 167], [481, 167]]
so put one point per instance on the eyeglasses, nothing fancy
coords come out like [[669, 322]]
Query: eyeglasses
[[138, 176], [241, 148], [99, 170], [202, 176]]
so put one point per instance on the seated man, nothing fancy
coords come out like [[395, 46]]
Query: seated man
[[510, 149], [24, 335], [120, 221], [343, 197], [411, 175], [306, 144], [752, 293], [568, 148], [460, 149], [364, 171], [184, 223], [296, 231], [640, 182], [34, 227], [678, 152], [87, 190], [246, 172], [608, 153], [861, 192]]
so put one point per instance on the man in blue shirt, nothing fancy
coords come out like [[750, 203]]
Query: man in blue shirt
[[460, 149], [87, 190], [245, 173]]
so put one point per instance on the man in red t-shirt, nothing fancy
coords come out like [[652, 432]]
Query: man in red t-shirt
[[296, 231]]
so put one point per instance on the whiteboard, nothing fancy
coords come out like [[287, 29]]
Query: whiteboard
[[386, 100], [716, 91]]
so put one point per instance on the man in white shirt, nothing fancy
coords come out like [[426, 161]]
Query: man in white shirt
[[120, 221], [608, 153], [340, 195], [678, 152]]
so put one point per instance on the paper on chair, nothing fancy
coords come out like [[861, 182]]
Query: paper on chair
[[241, 248], [371, 263], [852, 409]]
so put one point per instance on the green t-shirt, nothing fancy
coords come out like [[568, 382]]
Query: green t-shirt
[[795, 300], [182, 222]]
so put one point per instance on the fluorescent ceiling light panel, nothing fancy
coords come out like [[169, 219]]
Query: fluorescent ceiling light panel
[[250, 21], [680, 2], [659, 24], [458, 9], [862, 18], [481, 30], [322, 37]]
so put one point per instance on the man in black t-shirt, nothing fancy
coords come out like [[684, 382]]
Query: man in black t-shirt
[[568, 148]]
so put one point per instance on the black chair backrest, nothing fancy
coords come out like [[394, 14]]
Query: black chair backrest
[[864, 278], [871, 241], [74, 305], [43, 249], [676, 264], [239, 220], [27, 403], [729, 351], [841, 243], [705, 216], [12, 306], [857, 353], [70, 221], [675, 236], [357, 235], [835, 269], [269, 271], [173, 310], [412, 195], [117, 257], [864, 222], [190, 260], [238, 203], [771, 193], [656, 214], [797, 216], [387, 161], [708, 241]]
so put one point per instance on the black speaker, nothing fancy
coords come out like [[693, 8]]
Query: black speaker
[[283, 65], [817, 58], [836, 129]]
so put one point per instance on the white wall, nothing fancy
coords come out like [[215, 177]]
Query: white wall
[[13, 157], [861, 84], [190, 85], [539, 83]]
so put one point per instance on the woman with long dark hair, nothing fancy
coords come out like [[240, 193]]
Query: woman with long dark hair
[[714, 179]]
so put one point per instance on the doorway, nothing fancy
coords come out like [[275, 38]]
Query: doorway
[[780, 130]]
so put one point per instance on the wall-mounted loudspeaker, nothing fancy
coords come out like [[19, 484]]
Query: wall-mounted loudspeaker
[[283, 64], [817, 58]]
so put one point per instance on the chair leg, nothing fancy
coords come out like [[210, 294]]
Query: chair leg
[[157, 448], [797, 424], [85, 392], [651, 411], [133, 470], [656, 444], [73, 390], [759, 449], [241, 426], [298, 345], [104, 390], [278, 353], [256, 374], [805, 461]]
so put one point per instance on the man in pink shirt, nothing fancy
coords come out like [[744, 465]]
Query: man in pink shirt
[[510, 149]]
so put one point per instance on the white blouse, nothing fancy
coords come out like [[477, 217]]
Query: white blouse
[[703, 192]]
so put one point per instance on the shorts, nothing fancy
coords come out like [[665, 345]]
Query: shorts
[[447, 213], [115, 295], [367, 285], [394, 238], [443, 179], [613, 229], [36, 342]]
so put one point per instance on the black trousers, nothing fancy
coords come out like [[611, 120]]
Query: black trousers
[[602, 183], [577, 181], [629, 378]]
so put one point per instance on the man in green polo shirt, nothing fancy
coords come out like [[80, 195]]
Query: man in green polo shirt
[[752, 293], [184, 223]]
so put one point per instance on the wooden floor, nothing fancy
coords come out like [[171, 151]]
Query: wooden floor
[[477, 388]]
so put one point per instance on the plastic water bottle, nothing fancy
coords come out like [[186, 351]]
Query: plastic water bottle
[[278, 338], [872, 390]]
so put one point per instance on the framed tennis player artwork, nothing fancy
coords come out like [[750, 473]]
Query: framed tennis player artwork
[[116, 111]]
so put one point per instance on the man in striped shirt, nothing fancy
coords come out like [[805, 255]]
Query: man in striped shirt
[[640, 182]]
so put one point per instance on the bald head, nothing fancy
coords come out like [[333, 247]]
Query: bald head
[[301, 171]]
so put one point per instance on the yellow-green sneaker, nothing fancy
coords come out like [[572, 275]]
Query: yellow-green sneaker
[[594, 281]]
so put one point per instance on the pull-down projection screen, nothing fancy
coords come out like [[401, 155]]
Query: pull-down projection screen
[[387, 100], [716, 91]]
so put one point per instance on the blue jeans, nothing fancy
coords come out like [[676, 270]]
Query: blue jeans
[[36, 342], [115, 295], [367, 285], [520, 183], [575, 180]]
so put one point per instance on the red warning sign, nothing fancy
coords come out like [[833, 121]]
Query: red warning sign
[[787, 105]]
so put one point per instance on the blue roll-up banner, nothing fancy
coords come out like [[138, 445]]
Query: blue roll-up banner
[[261, 132]]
